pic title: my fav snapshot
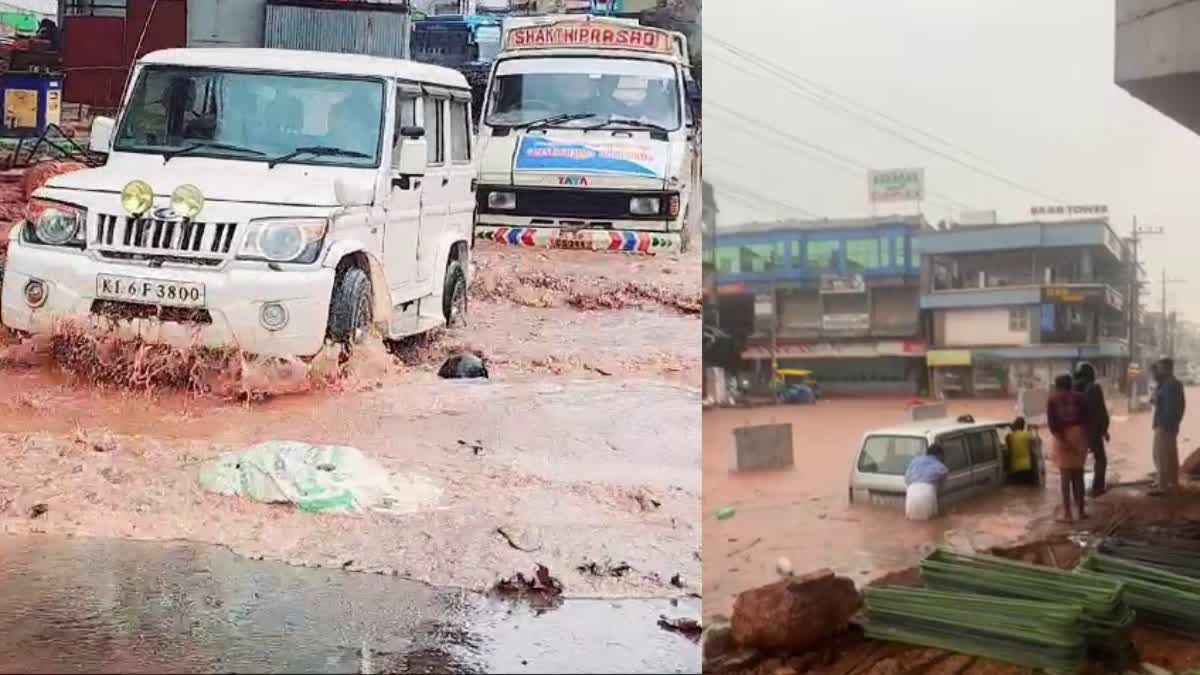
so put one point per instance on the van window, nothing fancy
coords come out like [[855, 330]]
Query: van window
[[983, 446], [435, 129], [460, 132], [956, 453], [889, 455], [406, 116]]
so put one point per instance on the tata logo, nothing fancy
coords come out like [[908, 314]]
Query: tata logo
[[580, 181], [165, 213]]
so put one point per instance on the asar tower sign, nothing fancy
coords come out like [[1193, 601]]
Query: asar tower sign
[[890, 186]]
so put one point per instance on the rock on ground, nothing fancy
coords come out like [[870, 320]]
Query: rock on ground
[[794, 614]]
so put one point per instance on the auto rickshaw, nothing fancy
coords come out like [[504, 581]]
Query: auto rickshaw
[[788, 378]]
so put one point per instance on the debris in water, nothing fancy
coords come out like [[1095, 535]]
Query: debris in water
[[541, 587], [645, 501], [598, 370], [476, 447], [607, 569], [677, 581], [38, 510], [463, 366], [747, 547], [689, 628], [784, 566], [512, 541], [726, 513]]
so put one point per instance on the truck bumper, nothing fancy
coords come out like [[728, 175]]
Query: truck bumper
[[234, 298], [617, 239]]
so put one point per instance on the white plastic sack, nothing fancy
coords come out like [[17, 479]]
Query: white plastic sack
[[920, 501], [316, 478]]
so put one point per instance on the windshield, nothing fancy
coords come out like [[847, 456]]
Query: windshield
[[889, 455], [525, 90], [253, 116]]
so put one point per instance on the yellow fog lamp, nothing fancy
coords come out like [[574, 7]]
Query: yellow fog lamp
[[137, 197], [187, 201]]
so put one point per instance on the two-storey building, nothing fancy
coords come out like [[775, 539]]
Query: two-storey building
[[1011, 306], [838, 297]]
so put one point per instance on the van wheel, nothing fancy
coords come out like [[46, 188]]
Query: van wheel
[[350, 309], [454, 295]]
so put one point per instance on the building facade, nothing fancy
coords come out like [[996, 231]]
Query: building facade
[[838, 297], [1011, 306]]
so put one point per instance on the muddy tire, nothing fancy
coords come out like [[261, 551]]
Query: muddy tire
[[454, 295], [350, 313]]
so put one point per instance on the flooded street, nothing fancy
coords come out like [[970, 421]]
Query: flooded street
[[581, 448], [804, 514], [102, 605]]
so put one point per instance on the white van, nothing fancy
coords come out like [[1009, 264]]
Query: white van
[[261, 199], [974, 454]]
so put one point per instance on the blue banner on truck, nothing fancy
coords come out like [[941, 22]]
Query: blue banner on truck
[[538, 153]]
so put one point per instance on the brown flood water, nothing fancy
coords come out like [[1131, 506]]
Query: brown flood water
[[804, 514]]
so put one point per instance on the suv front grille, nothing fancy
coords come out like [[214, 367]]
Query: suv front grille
[[182, 240]]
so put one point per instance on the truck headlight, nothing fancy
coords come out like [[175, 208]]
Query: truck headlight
[[502, 200], [294, 240], [645, 206], [55, 223]]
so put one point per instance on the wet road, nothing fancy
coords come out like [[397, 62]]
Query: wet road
[[804, 513], [583, 446], [98, 605]]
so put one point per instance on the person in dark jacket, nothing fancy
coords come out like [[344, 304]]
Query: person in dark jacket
[[1097, 431], [1169, 405]]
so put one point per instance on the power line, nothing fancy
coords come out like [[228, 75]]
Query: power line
[[797, 85], [734, 189], [842, 162]]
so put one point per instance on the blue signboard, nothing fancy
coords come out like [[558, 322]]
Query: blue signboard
[[538, 153]]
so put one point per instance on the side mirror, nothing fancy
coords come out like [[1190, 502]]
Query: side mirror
[[413, 157], [101, 137], [412, 132]]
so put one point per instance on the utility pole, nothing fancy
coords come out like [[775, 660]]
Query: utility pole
[[1135, 289]]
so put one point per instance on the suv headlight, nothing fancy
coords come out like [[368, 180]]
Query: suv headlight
[[294, 240], [502, 200], [55, 223], [645, 206]]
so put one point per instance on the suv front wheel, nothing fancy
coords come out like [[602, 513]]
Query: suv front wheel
[[350, 312]]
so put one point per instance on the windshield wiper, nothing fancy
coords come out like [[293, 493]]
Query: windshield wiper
[[630, 122], [318, 150], [168, 154], [553, 119]]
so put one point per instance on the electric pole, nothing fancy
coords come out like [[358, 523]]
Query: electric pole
[[1135, 289]]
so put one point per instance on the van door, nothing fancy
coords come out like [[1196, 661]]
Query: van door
[[435, 196], [986, 471], [403, 208], [461, 189], [958, 460]]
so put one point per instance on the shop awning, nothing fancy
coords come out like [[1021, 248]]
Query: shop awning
[[948, 358]]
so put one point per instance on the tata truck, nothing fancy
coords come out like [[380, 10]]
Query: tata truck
[[589, 138]]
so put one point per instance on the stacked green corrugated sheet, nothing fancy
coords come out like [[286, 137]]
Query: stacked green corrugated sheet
[[1182, 560], [1045, 635], [1107, 618], [1163, 599]]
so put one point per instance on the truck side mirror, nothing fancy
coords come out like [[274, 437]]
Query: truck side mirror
[[101, 136]]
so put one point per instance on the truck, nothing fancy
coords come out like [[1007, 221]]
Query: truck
[[466, 43], [589, 138], [272, 201]]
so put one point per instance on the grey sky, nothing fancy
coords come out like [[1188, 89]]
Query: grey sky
[[1025, 86]]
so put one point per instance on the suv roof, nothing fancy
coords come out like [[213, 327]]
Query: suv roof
[[298, 61], [932, 428]]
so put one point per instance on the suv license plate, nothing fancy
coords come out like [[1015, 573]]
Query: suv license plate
[[150, 291]]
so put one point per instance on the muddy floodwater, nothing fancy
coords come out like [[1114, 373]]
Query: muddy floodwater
[[804, 514], [102, 605]]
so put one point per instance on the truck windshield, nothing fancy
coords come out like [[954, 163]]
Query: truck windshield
[[253, 116], [584, 90], [488, 39]]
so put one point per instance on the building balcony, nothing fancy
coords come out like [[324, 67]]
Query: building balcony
[[829, 332], [1009, 296]]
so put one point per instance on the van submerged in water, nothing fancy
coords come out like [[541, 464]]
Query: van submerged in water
[[261, 199]]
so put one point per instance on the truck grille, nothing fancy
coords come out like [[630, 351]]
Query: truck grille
[[573, 203], [171, 239]]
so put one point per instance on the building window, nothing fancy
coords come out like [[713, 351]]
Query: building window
[[1018, 319], [822, 256], [862, 254], [749, 258]]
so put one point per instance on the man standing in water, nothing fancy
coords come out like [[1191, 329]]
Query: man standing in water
[[1169, 405], [1097, 429]]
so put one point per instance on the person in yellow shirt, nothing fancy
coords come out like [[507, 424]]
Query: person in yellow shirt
[[1020, 453]]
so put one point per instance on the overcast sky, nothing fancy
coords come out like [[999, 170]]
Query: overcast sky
[[1021, 88]]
